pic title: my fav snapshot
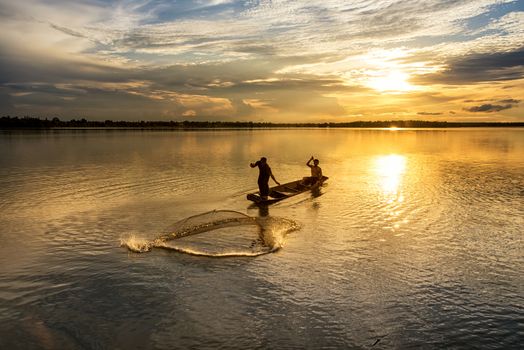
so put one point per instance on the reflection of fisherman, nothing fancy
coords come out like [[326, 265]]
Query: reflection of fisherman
[[263, 176], [316, 172]]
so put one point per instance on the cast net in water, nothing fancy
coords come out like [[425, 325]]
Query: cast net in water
[[219, 233]]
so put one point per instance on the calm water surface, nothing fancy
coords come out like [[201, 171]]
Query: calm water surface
[[415, 242]]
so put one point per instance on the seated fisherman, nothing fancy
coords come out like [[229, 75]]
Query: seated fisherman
[[316, 172]]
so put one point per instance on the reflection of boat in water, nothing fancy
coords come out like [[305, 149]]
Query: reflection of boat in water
[[286, 190]]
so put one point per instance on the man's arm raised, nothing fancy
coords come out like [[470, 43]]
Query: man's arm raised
[[309, 161]]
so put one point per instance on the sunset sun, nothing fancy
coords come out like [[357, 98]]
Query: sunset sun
[[391, 82]]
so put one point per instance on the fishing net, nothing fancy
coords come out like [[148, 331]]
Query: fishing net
[[219, 233]]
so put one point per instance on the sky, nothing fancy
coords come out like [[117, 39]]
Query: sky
[[276, 61]]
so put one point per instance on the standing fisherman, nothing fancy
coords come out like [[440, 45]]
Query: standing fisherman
[[263, 176]]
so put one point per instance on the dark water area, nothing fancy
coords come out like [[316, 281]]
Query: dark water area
[[416, 240]]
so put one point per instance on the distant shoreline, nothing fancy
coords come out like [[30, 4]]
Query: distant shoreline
[[55, 123]]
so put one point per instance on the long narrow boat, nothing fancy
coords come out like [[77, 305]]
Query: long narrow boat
[[284, 191]]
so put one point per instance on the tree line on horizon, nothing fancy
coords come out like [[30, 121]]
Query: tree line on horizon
[[39, 123]]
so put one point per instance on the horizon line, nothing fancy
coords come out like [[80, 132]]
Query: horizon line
[[55, 122]]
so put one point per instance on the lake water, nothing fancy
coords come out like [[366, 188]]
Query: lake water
[[416, 240]]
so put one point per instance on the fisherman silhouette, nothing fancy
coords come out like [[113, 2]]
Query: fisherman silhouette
[[263, 176]]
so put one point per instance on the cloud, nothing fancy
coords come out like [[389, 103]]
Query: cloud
[[477, 68], [491, 107], [429, 113], [488, 107], [228, 29], [510, 100], [67, 31], [112, 101]]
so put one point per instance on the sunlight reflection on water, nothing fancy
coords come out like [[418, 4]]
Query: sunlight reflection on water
[[389, 170]]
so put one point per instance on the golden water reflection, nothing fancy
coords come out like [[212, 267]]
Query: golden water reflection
[[390, 170]]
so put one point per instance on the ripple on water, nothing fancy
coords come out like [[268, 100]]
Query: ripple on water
[[64, 189]]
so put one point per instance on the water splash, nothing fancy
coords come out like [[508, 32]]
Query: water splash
[[220, 233], [136, 244]]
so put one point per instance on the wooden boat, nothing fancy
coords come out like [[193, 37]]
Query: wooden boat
[[284, 191]]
